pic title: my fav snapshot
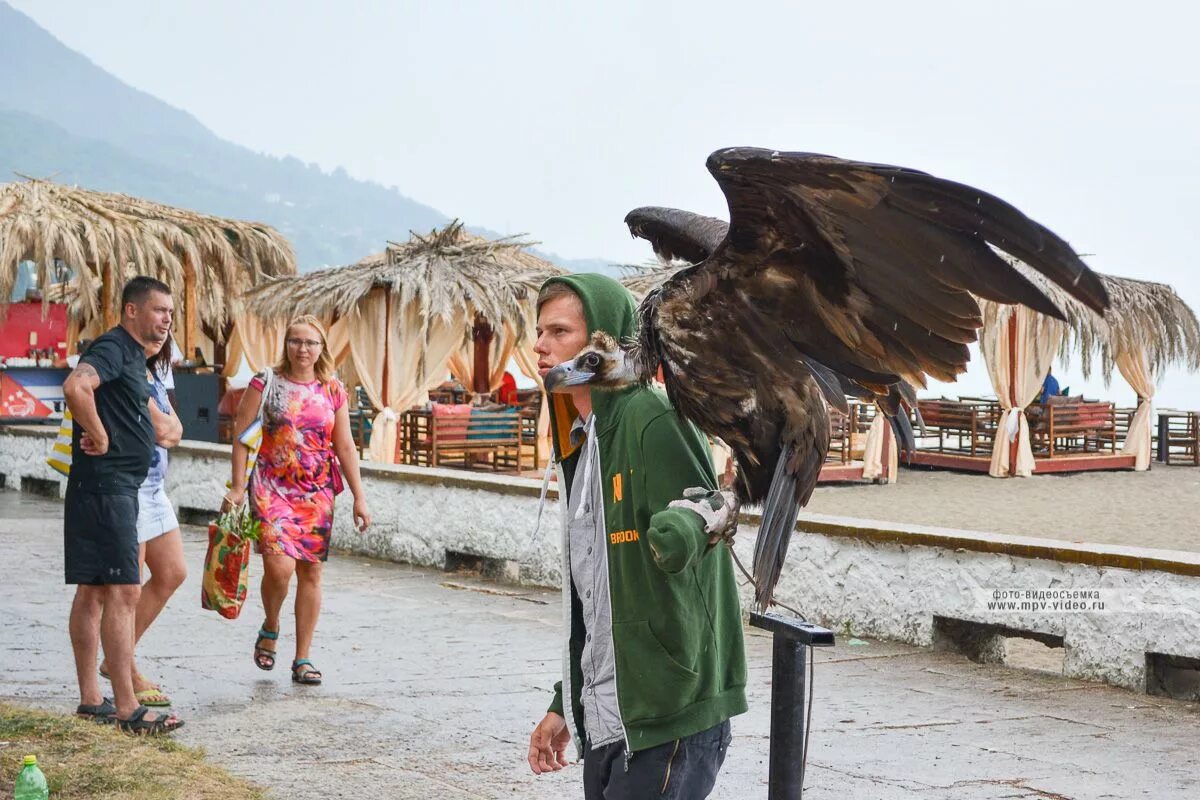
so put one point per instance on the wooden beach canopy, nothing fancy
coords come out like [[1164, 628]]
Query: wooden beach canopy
[[106, 238], [448, 300], [1146, 329]]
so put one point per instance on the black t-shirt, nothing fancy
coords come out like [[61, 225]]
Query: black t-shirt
[[121, 402]]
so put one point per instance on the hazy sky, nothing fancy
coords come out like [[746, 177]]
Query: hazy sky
[[555, 118]]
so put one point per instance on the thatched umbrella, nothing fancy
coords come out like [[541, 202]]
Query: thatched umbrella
[[1146, 329], [1143, 317], [105, 238], [439, 291], [641, 279], [475, 283]]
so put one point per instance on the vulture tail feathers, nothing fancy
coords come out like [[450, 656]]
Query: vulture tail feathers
[[908, 398], [778, 521], [902, 427], [795, 478]]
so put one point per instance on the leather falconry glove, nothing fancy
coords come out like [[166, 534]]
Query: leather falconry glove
[[718, 508]]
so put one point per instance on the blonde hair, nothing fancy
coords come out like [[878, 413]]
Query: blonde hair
[[324, 364]]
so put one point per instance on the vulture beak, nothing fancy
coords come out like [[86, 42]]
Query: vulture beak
[[566, 375]]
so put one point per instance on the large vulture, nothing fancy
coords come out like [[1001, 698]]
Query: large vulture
[[830, 275]]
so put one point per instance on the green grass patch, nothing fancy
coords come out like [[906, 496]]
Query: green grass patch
[[84, 760]]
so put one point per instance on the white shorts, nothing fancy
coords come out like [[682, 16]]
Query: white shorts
[[156, 516]]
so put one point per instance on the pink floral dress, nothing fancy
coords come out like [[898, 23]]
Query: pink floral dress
[[291, 490]]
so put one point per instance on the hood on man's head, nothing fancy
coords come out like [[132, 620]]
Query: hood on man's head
[[607, 306]]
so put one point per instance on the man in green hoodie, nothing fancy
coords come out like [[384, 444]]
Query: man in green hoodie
[[653, 665]]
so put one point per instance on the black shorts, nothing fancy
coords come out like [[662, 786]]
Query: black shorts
[[100, 538]]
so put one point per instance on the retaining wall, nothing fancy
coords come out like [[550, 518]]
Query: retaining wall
[[924, 586]]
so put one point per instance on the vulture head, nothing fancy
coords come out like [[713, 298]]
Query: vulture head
[[601, 365]]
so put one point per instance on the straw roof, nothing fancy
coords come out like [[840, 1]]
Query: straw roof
[[1142, 315], [641, 279], [445, 273], [101, 235]]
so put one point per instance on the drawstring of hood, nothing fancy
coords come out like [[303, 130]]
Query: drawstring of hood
[[537, 528]]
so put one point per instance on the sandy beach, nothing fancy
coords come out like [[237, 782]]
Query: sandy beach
[[1158, 509]]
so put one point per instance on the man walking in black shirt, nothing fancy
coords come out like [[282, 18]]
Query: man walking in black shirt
[[109, 397]]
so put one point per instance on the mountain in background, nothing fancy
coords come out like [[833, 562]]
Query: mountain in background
[[64, 118]]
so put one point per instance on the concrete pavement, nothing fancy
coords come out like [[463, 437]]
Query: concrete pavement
[[434, 680]]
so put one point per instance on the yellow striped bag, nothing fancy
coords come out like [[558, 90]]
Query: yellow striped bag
[[60, 454], [252, 436]]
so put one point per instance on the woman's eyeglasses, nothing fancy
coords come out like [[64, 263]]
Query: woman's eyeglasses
[[311, 344]]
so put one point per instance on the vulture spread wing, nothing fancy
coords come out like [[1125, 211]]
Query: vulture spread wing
[[831, 274]]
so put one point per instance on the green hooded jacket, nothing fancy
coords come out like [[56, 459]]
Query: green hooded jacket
[[676, 617]]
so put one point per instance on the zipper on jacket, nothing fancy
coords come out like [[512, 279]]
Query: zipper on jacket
[[567, 694], [592, 441], [670, 761]]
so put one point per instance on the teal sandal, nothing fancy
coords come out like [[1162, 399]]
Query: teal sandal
[[310, 676], [264, 659]]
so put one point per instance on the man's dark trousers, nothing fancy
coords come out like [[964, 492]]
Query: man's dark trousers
[[683, 769]]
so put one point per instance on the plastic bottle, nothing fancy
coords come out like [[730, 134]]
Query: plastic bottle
[[31, 783]]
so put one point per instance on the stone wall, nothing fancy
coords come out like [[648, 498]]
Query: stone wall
[[923, 586], [419, 513]]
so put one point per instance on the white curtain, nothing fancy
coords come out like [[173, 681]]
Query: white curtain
[[398, 357], [1018, 346], [233, 353], [260, 343], [1135, 369], [880, 432], [527, 362], [338, 340]]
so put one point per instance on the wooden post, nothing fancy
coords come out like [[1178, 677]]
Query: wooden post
[[108, 314], [191, 320], [482, 338], [399, 454], [220, 352], [887, 452]]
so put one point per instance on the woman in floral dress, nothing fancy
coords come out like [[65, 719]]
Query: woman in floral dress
[[305, 423]]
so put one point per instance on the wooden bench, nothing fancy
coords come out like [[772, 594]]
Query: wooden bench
[[971, 425], [1085, 427], [478, 439]]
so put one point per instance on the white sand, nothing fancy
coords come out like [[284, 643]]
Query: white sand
[[1159, 508]]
